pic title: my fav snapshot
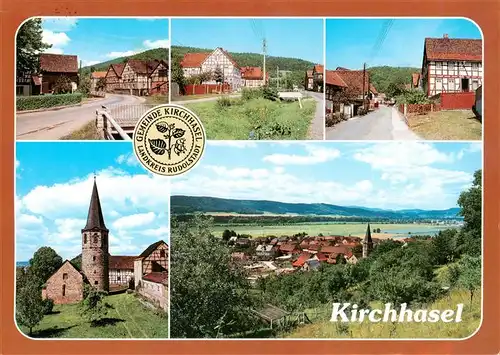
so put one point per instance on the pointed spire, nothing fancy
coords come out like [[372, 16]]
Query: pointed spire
[[95, 218], [368, 235]]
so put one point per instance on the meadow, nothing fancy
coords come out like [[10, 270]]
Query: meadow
[[128, 318], [229, 118], [313, 229]]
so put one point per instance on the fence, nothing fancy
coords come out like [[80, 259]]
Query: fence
[[107, 126], [128, 115], [457, 101], [202, 89], [418, 109]]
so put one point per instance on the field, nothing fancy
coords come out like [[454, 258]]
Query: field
[[471, 318], [354, 229], [267, 119], [447, 125], [127, 319]]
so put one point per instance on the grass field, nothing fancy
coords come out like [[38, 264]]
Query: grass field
[[268, 119], [127, 319], [355, 229], [87, 132], [471, 319], [447, 125]]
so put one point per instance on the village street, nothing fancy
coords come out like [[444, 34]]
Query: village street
[[55, 124], [316, 131], [384, 123]]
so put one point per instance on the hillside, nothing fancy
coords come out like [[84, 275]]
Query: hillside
[[253, 59], [190, 204], [381, 77], [157, 53]]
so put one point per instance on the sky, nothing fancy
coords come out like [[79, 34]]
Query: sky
[[295, 38], [53, 189], [388, 175], [351, 42], [97, 40]]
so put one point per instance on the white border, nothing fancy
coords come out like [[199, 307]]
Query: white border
[[325, 18]]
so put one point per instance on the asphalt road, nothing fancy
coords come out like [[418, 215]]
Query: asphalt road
[[52, 125], [384, 123], [317, 128]]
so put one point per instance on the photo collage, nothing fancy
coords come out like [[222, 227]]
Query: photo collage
[[162, 188]]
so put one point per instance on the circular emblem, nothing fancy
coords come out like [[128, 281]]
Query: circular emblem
[[169, 140]]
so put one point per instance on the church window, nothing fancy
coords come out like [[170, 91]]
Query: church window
[[96, 239], [96, 282], [85, 239], [65, 276], [64, 290], [94, 271]]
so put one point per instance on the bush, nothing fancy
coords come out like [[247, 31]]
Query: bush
[[270, 93], [48, 306], [249, 94], [223, 102], [47, 101]]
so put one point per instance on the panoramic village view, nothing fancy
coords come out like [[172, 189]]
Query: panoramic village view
[[88, 78], [403, 79], [251, 78], [261, 247], [92, 249]]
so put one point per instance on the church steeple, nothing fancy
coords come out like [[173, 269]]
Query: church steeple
[[367, 242], [95, 217]]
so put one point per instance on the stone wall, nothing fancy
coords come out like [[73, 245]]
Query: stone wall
[[65, 286]]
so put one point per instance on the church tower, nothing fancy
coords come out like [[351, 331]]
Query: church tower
[[95, 246], [367, 242]]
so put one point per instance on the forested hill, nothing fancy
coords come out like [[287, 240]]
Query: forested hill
[[157, 53], [191, 204], [253, 59], [381, 77]]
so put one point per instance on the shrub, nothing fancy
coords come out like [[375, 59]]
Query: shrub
[[223, 102], [249, 94], [270, 93], [48, 306], [47, 101]]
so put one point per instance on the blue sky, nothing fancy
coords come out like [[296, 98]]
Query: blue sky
[[296, 38], [390, 175], [351, 42], [96, 40], [53, 189]]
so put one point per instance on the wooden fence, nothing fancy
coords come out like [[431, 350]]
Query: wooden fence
[[203, 89]]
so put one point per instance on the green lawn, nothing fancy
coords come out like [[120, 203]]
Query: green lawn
[[326, 229], [447, 125], [127, 319], [471, 318], [268, 119]]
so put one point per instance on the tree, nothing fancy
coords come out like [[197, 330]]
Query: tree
[[218, 75], [85, 85], [29, 305], [92, 69], [29, 45], [77, 261], [209, 293], [470, 274], [62, 85], [226, 235], [178, 73], [93, 307], [101, 84], [44, 263], [470, 203]]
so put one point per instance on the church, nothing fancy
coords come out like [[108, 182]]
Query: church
[[104, 271]]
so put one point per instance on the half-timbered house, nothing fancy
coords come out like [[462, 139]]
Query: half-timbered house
[[317, 73], [451, 65], [252, 77]]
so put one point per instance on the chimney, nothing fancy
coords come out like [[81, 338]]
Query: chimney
[[445, 35]]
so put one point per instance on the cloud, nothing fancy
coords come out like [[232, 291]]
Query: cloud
[[233, 144], [62, 24], [135, 220], [56, 39], [160, 43], [88, 63], [120, 54], [128, 159], [316, 154]]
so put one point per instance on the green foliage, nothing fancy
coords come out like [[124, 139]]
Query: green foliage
[[470, 274], [85, 85], [48, 306], [151, 54], [29, 305], [77, 261], [100, 84], [250, 94], [93, 307], [226, 235], [224, 102], [24, 103], [382, 78], [209, 294], [44, 263], [62, 85], [443, 243], [218, 75], [412, 97], [177, 73], [199, 78], [470, 202], [29, 45]]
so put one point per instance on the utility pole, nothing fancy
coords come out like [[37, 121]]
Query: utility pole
[[264, 47], [278, 77]]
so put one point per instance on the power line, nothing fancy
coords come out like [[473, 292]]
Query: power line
[[381, 38]]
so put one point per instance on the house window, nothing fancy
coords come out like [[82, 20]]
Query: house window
[[119, 278], [475, 65], [465, 85], [93, 258], [162, 253], [438, 65], [65, 276], [85, 239], [64, 290], [162, 72]]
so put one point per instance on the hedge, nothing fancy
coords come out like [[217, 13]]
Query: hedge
[[47, 101]]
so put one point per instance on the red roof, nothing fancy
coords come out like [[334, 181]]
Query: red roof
[[354, 79], [335, 250], [332, 78], [288, 247], [321, 256], [157, 277], [453, 49], [98, 74], [318, 68], [252, 73], [301, 260], [143, 66], [118, 68], [58, 63], [193, 60], [415, 77], [121, 262]]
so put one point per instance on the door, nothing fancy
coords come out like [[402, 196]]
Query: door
[[465, 85]]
